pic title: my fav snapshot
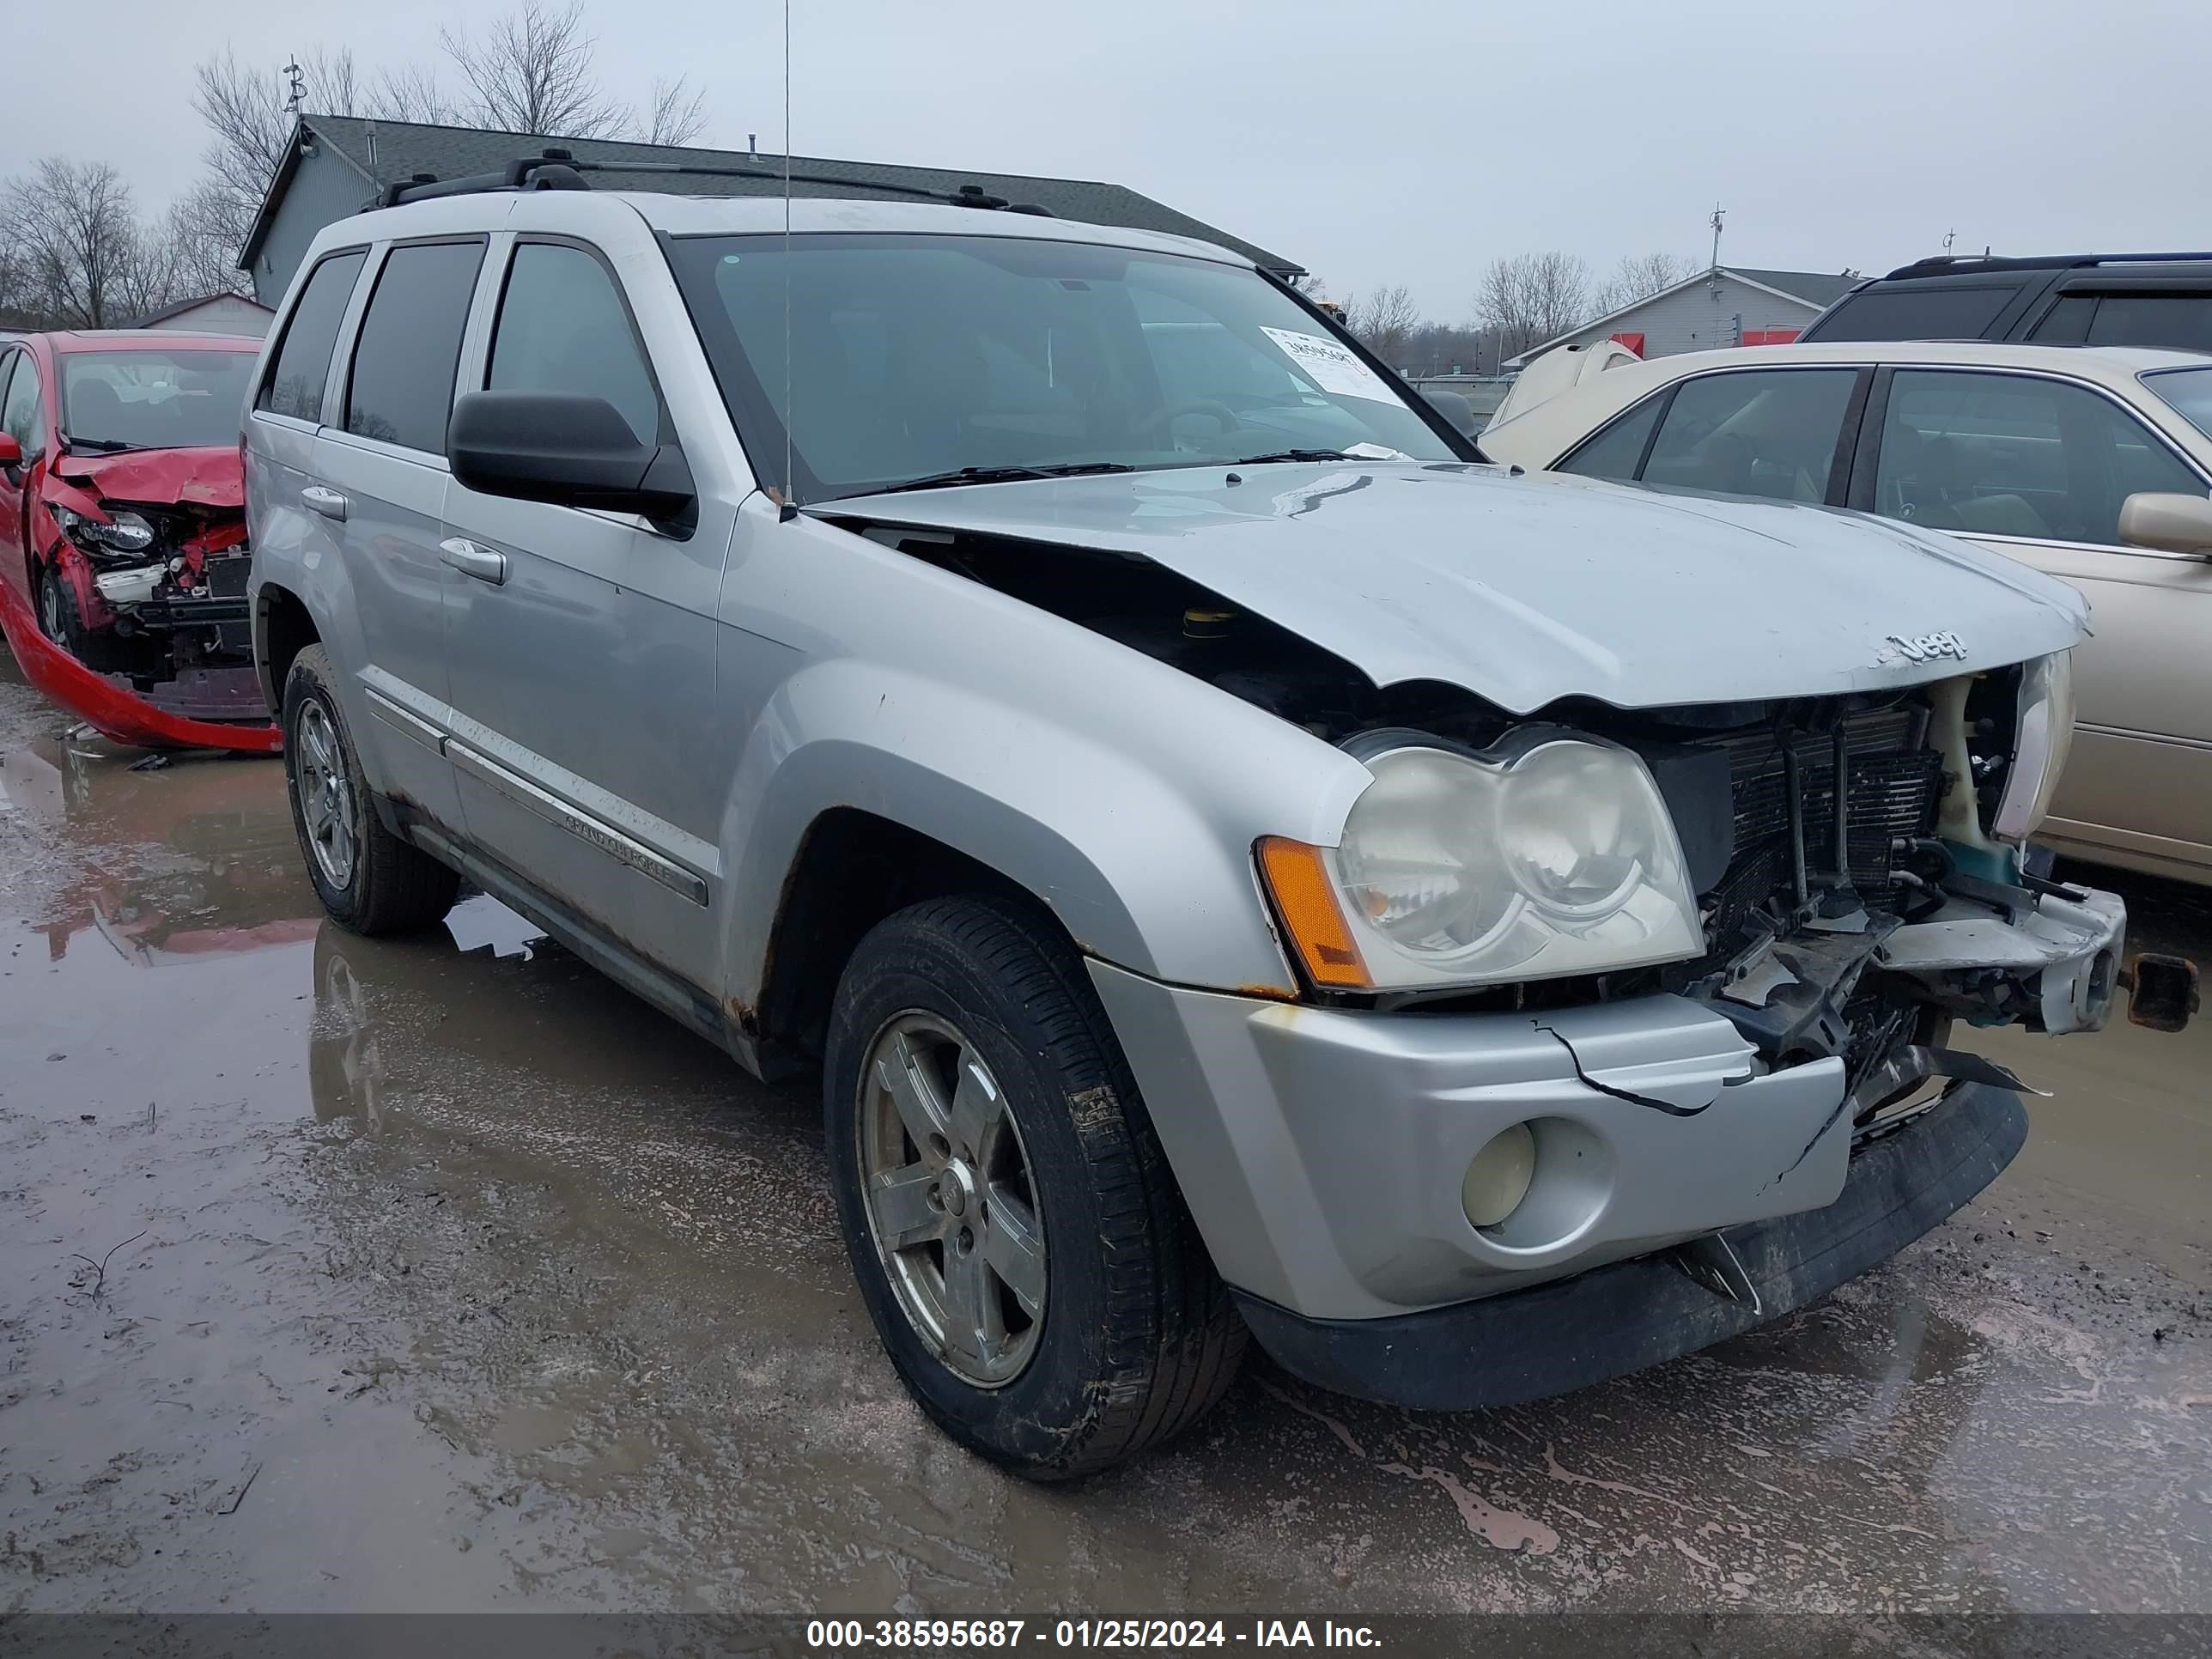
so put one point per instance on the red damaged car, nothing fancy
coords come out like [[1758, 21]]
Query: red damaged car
[[123, 554]]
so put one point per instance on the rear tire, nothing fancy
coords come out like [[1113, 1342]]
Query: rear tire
[[369, 880], [1133, 1337]]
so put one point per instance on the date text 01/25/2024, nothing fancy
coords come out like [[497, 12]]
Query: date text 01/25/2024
[[832, 1635]]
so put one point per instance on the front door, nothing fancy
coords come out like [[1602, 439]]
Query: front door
[[580, 648], [2036, 467], [22, 417]]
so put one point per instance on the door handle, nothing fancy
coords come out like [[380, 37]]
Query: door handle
[[328, 502], [465, 556]]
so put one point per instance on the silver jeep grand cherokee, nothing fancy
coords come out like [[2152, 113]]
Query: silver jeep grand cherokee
[[1240, 863]]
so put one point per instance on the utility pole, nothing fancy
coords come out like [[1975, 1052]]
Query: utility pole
[[1716, 222], [1949, 236], [297, 85]]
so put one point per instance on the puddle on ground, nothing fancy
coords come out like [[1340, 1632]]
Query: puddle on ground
[[441, 1273]]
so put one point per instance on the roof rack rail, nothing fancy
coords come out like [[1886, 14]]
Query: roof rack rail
[[1936, 263], [559, 169]]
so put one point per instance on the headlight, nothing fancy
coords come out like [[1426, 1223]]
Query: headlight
[[2043, 735], [1558, 858], [123, 533]]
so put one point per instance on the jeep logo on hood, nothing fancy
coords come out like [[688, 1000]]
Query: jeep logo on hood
[[1921, 647]]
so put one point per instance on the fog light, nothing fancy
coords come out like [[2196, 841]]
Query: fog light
[[1497, 1179]]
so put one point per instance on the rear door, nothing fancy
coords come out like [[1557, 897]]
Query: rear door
[[586, 745], [285, 533], [384, 460], [2036, 466]]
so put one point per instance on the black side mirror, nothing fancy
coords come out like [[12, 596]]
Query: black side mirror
[[566, 448]]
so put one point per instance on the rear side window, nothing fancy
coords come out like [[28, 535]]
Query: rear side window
[[2180, 321], [1616, 452], [295, 385], [1910, 314], [563, 328], [401, 390], [1993, 455], [1764, 432], [2066, 323]]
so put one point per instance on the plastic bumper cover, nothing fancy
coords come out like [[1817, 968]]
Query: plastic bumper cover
[[1533, 1343], [1323, 1151]]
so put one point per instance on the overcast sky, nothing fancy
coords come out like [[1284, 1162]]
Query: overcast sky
[[1374, 141]]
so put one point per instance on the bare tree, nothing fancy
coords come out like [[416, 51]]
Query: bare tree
[[411, 94], [531, 72], [676, 114], [1529, 298], [1384, 319], [76, 242], [198, 238], [1638, 277]]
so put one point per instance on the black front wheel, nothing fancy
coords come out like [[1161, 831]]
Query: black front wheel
[[1020, 1241]]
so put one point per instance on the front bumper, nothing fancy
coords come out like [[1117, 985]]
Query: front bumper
[[1321, 1151], [1536, 1343]]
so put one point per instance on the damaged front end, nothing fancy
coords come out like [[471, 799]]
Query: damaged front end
[[1842, 881], [141, 623]]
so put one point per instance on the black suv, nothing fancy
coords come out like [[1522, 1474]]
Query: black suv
[[2067, 299]]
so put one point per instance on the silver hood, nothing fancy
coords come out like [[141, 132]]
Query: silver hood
[[1524, 588]]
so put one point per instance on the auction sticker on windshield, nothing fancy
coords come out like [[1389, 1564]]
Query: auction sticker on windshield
[[1332, 367]]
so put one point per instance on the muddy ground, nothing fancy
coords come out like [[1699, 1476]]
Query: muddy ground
[[443, 1275]]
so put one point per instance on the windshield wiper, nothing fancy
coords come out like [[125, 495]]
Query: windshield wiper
[[977, 475], [97, 445], [1294, 455]]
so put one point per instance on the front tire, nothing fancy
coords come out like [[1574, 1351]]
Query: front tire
[[1018, 1237], [61, 619], [369, 880]]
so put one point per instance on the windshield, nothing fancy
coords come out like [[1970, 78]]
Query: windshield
[[154, 399], [2189, 391], [915, 356]]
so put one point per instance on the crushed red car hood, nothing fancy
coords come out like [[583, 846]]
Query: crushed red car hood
[[201, 477]]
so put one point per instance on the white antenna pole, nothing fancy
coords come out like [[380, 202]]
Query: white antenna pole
[[790, 485], [1716, 222]]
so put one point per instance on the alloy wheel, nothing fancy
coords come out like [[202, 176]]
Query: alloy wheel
[[51, 620], [950, 1199], [326, 797]]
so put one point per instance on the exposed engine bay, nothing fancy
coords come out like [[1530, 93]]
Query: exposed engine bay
[[1854, 901], [154, 595]]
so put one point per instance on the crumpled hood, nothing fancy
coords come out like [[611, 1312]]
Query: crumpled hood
[[1525, 588], [197, 477]]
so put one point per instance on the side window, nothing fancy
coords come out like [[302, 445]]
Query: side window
[[1763, 432], [295, 385], [2011, 455], [2067, 323], [563, 328], [1945, 312], [2180, 321], [401, 390], [1616, 452], [24, 416]]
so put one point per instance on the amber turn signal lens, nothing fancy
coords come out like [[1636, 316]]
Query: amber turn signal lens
[[1305, 898]]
